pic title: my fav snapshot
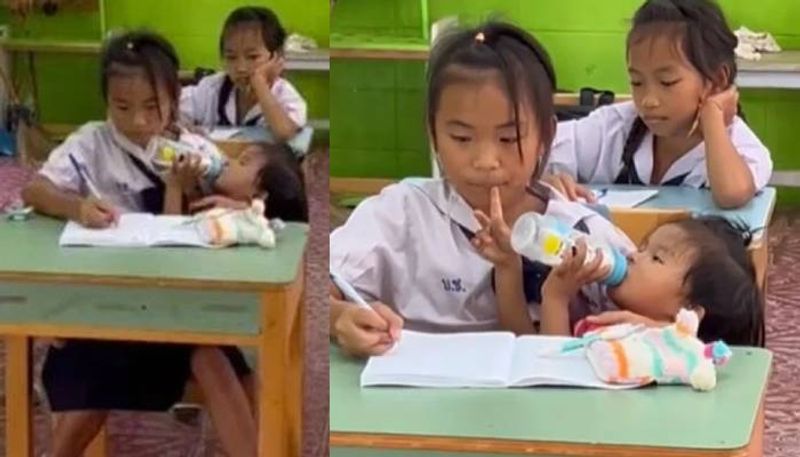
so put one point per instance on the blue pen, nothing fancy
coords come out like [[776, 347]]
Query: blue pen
[[84, 179], [348, 291]]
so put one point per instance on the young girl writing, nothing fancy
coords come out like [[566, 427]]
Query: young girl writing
[[681, 128], [251, 90], [413, 250], [99, 171]]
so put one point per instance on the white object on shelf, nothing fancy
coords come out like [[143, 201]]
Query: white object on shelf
[[751, 44]]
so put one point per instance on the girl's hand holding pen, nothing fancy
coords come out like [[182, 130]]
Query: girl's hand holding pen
[[95, 213]]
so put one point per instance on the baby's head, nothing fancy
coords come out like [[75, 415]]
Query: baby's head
[[271, 171], [249, 33], [490, 109], [139, 82], [701, 264]]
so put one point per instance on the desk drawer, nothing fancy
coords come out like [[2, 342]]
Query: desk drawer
[[137, 308]]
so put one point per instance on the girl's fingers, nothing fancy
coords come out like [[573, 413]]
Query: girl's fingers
[[482, 218]]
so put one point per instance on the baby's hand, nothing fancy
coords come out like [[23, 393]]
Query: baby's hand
[[94, 213], [493, 240], [567, 186], [565, 280], [217, 201], [623, 317], [363, 332], [186, 173]]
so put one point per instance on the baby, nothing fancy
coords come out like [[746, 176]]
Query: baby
[[203, 178]]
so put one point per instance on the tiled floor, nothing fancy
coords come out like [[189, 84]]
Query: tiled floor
[[145, 435], [159, 435]]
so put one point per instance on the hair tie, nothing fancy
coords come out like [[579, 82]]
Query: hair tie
[[480, 37]]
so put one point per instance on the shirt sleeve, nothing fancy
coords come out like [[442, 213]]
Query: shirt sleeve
[[292, 102], [367, 250], [59, 167], [188, 105], [583, 147], [753, 151]]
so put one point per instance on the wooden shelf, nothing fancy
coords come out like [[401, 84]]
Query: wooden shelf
[[388, 47], [775, 70], [51, 46], [318, 60]]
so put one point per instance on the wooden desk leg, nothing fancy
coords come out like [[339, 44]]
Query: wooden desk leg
[[19, 420], [278, 381], [99, 445], [760, 256], [756, 446]]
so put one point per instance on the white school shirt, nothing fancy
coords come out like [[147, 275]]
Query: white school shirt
[[590, 150], [199, 103], [406, 247], [102, 154]]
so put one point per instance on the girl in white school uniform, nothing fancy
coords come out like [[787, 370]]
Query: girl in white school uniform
[[100, 171], [682, 128], [251, 90], [413, 251]]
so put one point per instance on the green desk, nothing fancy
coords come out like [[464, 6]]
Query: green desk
[[545, 422], [239, 296]]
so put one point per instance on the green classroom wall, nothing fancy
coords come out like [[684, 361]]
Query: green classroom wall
[[68, 88], [377, 106]]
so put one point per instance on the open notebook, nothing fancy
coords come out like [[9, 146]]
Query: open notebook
[[624, 198], [136, 230], [488, 359]]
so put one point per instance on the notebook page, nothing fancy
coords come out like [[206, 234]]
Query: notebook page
[[443, 360], [175, 231], [534, 363], [130, 231], [624, 198], [223, 133]]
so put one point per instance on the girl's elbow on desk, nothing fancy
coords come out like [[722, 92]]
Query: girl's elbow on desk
[[734, 198]]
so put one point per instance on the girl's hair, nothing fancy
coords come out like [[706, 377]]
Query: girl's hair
[[281, 178], [700, 29], [272, 32], [524, 66], [722, 280], [145, 51]]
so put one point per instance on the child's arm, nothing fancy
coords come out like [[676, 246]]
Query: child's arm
[[173, 198], [46, 198], [512, 307], [731, 181], [493, 242], [276, 117], [563, 284], [181, 182]]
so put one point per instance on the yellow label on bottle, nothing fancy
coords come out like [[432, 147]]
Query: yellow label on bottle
[[551, 244], [168, 153]]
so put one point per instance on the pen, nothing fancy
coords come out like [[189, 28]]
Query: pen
[[85, 179], [348, 291]]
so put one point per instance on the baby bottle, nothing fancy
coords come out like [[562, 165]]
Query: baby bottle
[[544, 239], [166, 152]]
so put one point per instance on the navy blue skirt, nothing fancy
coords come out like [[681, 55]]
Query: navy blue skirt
[[106, 375]]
